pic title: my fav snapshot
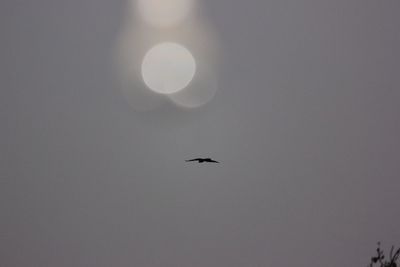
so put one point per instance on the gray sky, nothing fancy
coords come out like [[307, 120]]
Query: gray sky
[[306, 123]]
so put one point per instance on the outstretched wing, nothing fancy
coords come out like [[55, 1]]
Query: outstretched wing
[[189, 160], [213, 161]]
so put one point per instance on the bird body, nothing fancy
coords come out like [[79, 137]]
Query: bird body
[[202, 160]]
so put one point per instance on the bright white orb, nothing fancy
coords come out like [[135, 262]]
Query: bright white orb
[[168, 68], [165, 13]]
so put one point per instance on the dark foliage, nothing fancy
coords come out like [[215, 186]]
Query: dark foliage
[[380, 261]]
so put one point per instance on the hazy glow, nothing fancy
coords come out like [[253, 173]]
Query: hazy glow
[[166, 59], [168, 68], [203, 87], [200, 93], [165, 13]]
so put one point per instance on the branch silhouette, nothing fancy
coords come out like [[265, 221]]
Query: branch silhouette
[[380, 261]]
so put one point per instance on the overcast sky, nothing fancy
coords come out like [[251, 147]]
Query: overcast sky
[[306, 123]]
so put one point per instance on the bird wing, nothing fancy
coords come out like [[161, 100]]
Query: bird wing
[[189, 160], [214, 161]]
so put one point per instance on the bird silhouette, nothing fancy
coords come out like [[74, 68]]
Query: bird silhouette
[[202, 160]]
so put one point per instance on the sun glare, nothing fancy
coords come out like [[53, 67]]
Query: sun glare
[[168, 68], [165, 13]]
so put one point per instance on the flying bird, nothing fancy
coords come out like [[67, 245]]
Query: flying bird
[[202, 160]]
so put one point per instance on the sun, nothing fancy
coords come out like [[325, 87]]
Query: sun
[[168, 68]]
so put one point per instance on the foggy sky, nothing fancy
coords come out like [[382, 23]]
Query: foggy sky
[[306, 123]]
